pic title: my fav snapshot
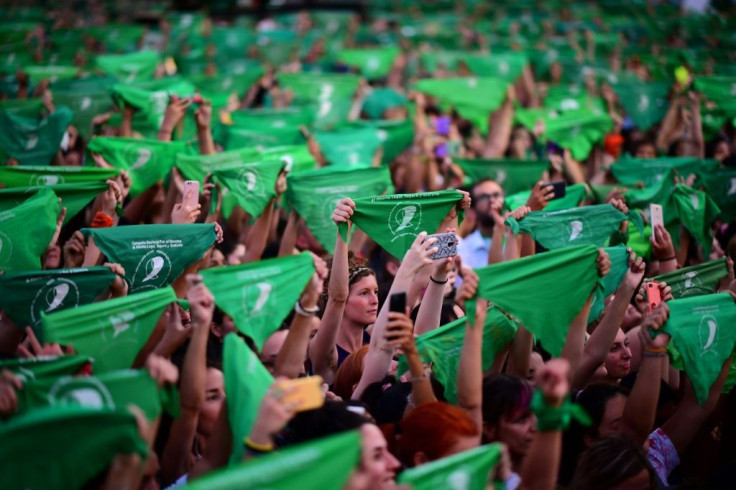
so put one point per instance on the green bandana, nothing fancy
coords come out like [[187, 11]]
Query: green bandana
[[574, 195], [609, 284], [701, 330], [147, 161], [720, 184], [53, 74], [31, 141], [380, 100], [568, 273], [24, 295], [259, 295], [74, 197], [575, 130], [645, 103], [512, 174], [33, 441], [575, 226], [113, 331], [153, 256], [442, 348], [300, 466], [719, 89], [87, 97], [45, 366], [634, 171], [25, 231], [372, 63], [196, 167], [314, 195], [696, 210], [395, 136], [219, 88], [252, 186], [394, 221], [349, 147], [329, 95], [129, 68], [470, 470], [246, 383], [506, 66], [53, 175], [115, 389], [696, 280]]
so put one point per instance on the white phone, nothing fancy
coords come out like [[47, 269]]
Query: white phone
[[657, 217], [193, 196]]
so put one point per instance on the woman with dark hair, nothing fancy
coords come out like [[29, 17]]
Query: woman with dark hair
[[614, 463]]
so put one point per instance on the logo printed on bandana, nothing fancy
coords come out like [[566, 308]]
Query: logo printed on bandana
[[569, 104], [139, 156], [690, 280], [120, 323], [694, 199], [152, 271], [576, 229], [44, 180], [458, 479], [500, 176], [6, 248], [250, 181], [503, 67], [258, 295], [643, 103], [32, 141], [732, 190], [707, 334], [85, 103], [55, 295], [329, 207], [405, 219], [86, 392]]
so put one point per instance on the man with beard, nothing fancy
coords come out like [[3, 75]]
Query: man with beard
[[486, 196]]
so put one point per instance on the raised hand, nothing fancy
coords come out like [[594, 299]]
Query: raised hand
[[74, 249], [343, 211], [635, 273], [540, 196], [653, 322], [9, 382], [603, 263], [119, 286], [184, 212], [553, 382], [420, 253], [400, 331], [201, 302], [662, 246], [162, 370]]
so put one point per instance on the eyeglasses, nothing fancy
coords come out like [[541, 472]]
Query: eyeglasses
[[485, 197]]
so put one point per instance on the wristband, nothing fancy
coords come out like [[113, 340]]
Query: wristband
[[654, 354], [259, 448], [311, 311], [436, 281], [557, 418], [668, 259]]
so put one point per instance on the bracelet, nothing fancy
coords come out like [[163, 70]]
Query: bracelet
[[261, 448], [436, 281], [416, 379], [674, 257], [311, 311], [557, 418], [662, 350], [654, 354]]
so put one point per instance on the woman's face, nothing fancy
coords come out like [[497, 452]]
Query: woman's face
[[618, 359], [722, 151], [376, 461], [517, 433], [362, 305], [213, 398], [612, 415]]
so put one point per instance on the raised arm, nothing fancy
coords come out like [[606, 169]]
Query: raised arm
[[470, 366], [500, 127], [430, 309], [400, 333], [322, 350], [203, 118], [257, 237]]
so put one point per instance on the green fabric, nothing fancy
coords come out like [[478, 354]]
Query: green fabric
[[53, 74], [381, 99], [562, 279], [349, 147], [24, 295], [314, 195], [323, 87], [570, 99], [246, 383], [470, 470], [74, 197], [395, 136], [633, 171], [33, 141], [129, 68], [720, 184], [609, 284], [301, 466], [702, 332], [372, 63], [442, 348], [575, 130], [38, 445], [112, 390], [720, 90], [276, 120], [53, 175], [113, 331], [512, 174], [147, 161], [696, 210], [575, 226], [26, 230], [394, 221], [645, 103], [45, 366], [252, 186], [153, 256], [220, 87], [574, 195], [87, 98], [259, 295], [473, 98], [506, 66], [696, 280], [196, 167]]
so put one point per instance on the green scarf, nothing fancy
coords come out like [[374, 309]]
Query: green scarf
[[31, 141], [574, 195], [372, 63], [30, 176], [45, 367], [252, 186], [349, 147], [469, 469], [512, 174], [696, 280], [609, 284], [129, 68], [645, 103]]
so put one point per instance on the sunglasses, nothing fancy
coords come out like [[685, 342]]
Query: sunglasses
[[485, 197]]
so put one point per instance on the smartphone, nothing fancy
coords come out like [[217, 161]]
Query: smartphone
[[446, 245], [440, 151], [397, 303], [307, 393], [653, 295], [558, 187], [443, 126], [656, 215], [191, 198]]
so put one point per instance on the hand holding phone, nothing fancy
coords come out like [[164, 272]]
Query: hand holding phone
[[397, 302], [559, 188], [657, 215], [191, 193], [654, 296], [446, 245]]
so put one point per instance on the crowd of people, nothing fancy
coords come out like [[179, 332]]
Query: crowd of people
[[441, 244]]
